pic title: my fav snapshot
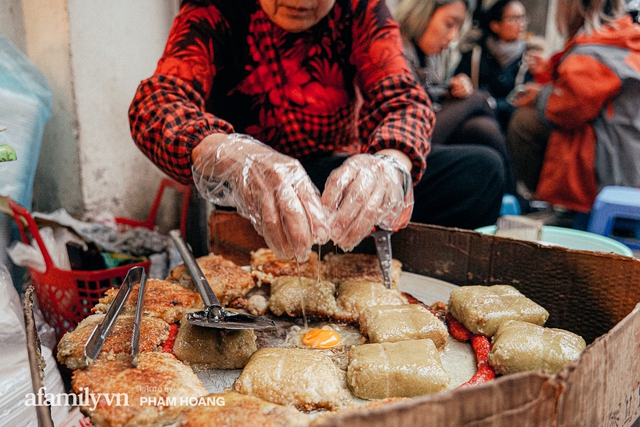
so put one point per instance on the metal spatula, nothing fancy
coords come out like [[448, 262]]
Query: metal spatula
[[214, 316]]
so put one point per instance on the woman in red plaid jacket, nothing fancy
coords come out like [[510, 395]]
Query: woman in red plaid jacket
[[262, 102]]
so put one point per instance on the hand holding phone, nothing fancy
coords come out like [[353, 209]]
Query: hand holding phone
[[516, 93], [523, 95]]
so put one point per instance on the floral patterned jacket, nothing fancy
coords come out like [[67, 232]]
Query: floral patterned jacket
[[342, 86]]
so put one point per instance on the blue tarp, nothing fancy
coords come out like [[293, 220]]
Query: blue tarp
[[25, 108]]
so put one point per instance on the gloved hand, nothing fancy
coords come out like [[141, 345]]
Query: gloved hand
[[367, 191], [271, 189]]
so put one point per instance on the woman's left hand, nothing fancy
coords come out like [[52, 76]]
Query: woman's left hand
[[367, 191], [461, 86]]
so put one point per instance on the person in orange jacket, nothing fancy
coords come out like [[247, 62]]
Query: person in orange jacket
[[581, 131]]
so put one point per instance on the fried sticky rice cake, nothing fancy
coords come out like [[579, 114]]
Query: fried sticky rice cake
[[266, 266], [392, 323], [165, 300], [153, 333], [356, 296], [213, 348], [226, 278], [340, 268], [482, 309], [521, 347], [400, 369], [306, 379], [324, 417], [240, 410], [288, 294], [154, 394]]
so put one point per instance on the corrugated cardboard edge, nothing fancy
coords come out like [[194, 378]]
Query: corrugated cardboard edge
[[603, 387], [503, 402], [593, 294], [585, 292]]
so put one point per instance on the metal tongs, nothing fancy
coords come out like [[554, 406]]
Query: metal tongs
[[213, 316], [382, 238], [101, 332]]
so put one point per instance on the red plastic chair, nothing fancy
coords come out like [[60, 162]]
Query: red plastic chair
[[150, 222]]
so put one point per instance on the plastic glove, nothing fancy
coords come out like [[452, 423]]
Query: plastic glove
[[367, 191], [270, 188]]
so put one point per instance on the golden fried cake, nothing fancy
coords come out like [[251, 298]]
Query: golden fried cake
[[521, 347], [340, 268], [154, 394], [306, 379], [482, 309], [400, 369], [356, 296], [288, 294], [226, 278], [165, 300], [153, 333], [240, 410], [212, 348], [392, 323], [325, 417], [266, 266]]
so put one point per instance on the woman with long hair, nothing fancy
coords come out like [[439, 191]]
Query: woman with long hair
[[581, 132], [464, 117]]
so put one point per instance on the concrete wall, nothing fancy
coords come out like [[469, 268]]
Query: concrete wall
[[114, 45], [93, 54], [12, 23]]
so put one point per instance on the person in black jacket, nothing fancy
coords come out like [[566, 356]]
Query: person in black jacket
[[499, 60]]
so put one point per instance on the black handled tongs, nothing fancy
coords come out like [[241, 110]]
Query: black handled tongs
[[214, 316], [101, 332]]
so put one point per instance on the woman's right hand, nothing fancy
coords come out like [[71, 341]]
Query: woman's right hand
[[271, 189], [528, 98], [535, 62]]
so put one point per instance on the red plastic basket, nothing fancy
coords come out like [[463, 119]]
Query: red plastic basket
[[67, 296]]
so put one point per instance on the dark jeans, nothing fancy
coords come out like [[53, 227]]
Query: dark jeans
[[527, 137], [462, 186], [473, 121]]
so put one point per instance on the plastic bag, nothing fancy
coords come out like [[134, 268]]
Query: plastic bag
[[25, 108], [55, 241], [15, 377]]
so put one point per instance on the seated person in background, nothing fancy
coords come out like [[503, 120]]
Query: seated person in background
[[464, 117], [498, 61], [288, 75], [580, 132]]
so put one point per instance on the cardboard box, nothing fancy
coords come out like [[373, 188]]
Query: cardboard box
[[593, 294]]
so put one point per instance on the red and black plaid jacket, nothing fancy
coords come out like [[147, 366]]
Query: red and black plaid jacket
[[228, 68]]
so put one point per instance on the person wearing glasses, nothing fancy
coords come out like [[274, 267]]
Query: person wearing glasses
[[465, 117], [500, 59]]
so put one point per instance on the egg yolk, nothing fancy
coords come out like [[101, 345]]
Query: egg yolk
[[321, 338]]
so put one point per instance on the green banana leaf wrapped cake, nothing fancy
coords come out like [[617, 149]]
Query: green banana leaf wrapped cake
[[482, 309], [521, 347], [400, 369]]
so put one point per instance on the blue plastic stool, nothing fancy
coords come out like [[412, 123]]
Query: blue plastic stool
[[617, 203], [510, 205]]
